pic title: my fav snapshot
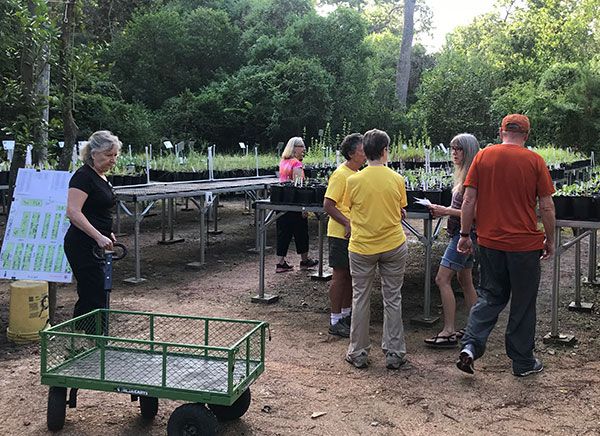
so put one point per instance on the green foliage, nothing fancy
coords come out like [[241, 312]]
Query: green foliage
[[162, 53], [455, 97]]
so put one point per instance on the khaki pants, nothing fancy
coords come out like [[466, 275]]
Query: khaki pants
[[391, 269]]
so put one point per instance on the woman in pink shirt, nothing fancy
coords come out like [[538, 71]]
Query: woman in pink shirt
[[292, 224]]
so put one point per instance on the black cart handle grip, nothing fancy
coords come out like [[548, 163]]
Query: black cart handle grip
[[119, 251]]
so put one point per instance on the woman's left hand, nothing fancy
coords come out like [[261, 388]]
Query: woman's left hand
[[438, 210]]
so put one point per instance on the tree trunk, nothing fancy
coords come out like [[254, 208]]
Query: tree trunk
[[42, 89], [403, 67], [65, 81]]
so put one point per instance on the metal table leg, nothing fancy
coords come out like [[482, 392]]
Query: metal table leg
[[427, 319], [319, 275], [578, 305], [262, 297], [170, 214], [215, 216], [136, 246], [202, 208], [592, 259], [554, 336]]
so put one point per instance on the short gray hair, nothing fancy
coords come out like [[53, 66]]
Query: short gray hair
[[101, 140]]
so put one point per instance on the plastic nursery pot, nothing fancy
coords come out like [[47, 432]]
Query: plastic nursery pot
[[557, 174], [276, 194], [305, 195], [117, 180], [289, 194], [3, 177], [435, 196], [563, 206], [583, 208], [596, 208], [446, 197], [412, 206], [320, 194]]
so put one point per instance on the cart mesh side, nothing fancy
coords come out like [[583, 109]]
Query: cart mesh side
[[165, 351]]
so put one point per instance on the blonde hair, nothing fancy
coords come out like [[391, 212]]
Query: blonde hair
[[288, 151], [470, 147], [101, 140]]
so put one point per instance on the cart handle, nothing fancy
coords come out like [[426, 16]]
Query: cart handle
[[119, 252]]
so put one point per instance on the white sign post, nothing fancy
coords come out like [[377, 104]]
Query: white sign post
[[210, 163], [256, 157], [243, 147], [147, 167]]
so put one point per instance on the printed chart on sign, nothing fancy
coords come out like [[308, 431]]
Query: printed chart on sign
[[33, 240]]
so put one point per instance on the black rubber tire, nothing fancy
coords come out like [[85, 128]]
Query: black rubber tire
[[235, 411], [192, 419], [57, 408], [148, 407]]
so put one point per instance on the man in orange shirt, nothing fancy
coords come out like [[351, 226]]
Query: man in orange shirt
[[503, 187]]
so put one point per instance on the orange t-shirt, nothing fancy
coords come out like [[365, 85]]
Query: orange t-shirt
[[509, 179]]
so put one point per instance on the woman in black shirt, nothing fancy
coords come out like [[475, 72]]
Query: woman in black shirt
[[89, 208]]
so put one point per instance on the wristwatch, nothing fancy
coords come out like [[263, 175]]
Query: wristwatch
[[464, 235]]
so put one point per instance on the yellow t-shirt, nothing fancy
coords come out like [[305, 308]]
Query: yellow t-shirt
[[335, 192], [375, 196]]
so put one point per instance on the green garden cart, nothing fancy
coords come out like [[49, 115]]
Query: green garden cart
[[207, 362]]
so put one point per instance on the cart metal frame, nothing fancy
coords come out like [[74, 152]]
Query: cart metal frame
[[65, 346]]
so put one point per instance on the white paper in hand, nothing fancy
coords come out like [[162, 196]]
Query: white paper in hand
[[422, 201]]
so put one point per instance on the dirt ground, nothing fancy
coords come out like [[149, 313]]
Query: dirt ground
[[305, 369]]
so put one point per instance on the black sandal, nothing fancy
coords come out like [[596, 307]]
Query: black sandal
[[440, 341], [460, 333]]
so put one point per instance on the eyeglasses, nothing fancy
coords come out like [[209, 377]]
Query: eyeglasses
[[456, 149]]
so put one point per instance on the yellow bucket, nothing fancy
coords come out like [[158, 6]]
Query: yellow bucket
[[28, 310]]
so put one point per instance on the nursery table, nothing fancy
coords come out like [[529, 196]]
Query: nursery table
[[267, 212], [581, 229], [201, 193]]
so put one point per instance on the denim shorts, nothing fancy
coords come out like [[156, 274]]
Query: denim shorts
[[454, 260], [338, 253]]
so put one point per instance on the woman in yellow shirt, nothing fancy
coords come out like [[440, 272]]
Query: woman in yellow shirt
[[376, 197]]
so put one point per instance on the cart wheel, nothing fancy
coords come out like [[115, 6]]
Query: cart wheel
[[235, 411], [148, 407], [192, 419], [57, 408]]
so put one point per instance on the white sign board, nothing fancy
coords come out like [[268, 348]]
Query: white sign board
[[8, 145], [168, 144], [35, 229]]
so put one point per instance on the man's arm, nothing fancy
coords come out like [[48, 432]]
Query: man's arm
[[467, 215], [549, 222]]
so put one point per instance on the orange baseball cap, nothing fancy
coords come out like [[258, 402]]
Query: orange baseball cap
[[516, 123]]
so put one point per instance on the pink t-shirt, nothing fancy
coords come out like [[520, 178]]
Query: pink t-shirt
[[286, 169]]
